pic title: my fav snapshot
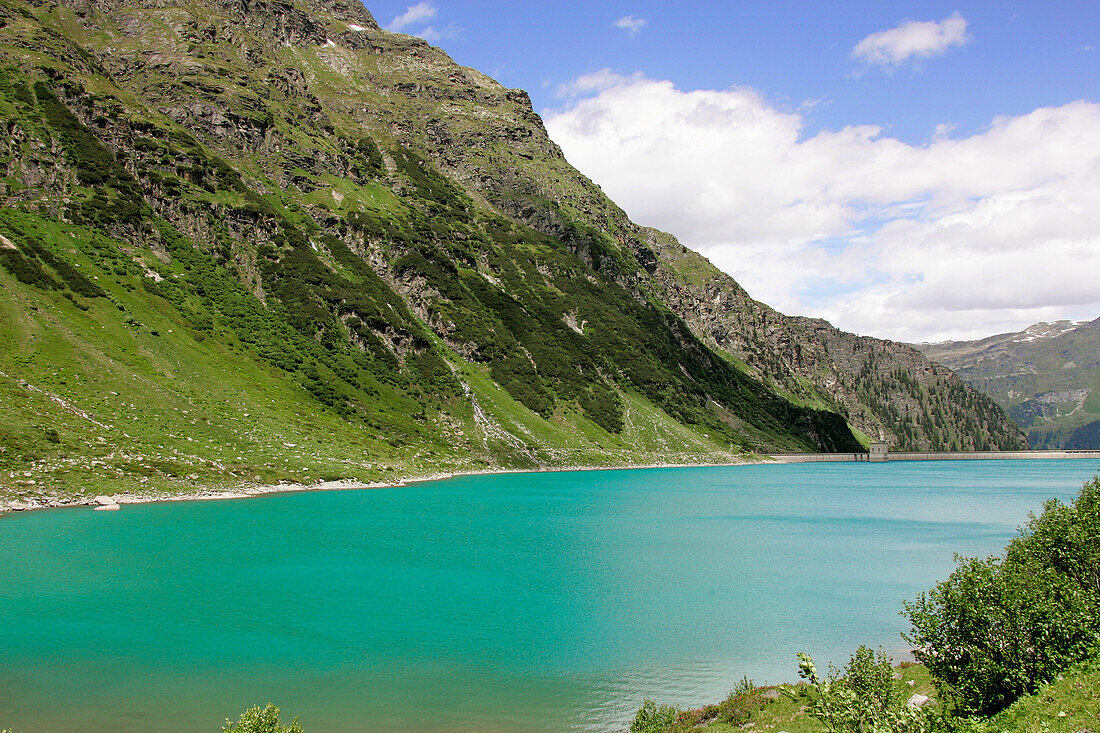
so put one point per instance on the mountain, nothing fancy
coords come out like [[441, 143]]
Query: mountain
[[1047, 377], [887, 391], [257, 240]]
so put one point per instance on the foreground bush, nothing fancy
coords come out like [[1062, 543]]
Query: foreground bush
[[261, 720], [744, 700], [654, 718], [863, 698], [998, 628]]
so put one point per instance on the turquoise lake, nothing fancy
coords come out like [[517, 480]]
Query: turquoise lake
[[515, 602]]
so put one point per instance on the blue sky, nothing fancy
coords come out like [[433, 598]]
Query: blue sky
[[1023, 55], [822, 102]]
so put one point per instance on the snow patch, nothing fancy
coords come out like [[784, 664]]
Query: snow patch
[[356, 28], [329, 43], [1047, 330]]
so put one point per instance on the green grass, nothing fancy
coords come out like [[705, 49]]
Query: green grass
[[1069, 705], [780, 707], [787, 714], [270, 349], [122, 393]]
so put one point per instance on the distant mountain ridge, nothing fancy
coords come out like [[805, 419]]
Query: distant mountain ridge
[[1046, 376], [385, 255]]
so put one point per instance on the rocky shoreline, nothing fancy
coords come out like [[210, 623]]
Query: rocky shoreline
[[113, 502]]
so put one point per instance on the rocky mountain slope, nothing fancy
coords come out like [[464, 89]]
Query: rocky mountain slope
[[886, 390], [1047, 377], [267, 239]]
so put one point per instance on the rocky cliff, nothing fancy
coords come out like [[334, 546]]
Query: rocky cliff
[[888, 391]]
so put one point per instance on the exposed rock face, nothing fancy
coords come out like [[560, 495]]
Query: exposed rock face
[[888, 390], [401, 210]]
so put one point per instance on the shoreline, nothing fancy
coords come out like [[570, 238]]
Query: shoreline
[[246, 491]]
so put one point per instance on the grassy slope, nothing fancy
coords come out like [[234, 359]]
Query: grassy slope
[[168, 408], [785, 713], [171, 401], [1069, 705], [194, 383]]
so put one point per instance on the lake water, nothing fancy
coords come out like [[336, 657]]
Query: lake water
[[522, 602]]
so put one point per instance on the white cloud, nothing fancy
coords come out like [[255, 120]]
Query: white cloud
[[954, 238], [430, 33], [417, 14], [597, 81], [944, 130], [912, 40], [413, 14], [630, 23]]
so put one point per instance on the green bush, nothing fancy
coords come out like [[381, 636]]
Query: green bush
[[744, 700], [261, 720], [998, 628], [654, 718], [864, 698], [369, 163], [77, 282], [95, 166], [28, 270], [1065, 538]]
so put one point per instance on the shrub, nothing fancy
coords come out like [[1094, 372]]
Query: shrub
[[864, 698], [998, 628], [261, 720], [1065, 538], [744, 700], [654, 718], [94, 164], [28, 270], [77, 281], [369, 163]]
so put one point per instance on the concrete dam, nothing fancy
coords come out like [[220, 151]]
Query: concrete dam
[[880, 453]]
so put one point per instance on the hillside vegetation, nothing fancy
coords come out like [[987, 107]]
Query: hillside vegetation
[[1069, 704], [280, 243], [1047, 377]]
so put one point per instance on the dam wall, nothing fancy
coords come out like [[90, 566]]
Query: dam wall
[[937, 456]]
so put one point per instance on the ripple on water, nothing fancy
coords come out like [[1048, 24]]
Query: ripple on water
[[520, 602]]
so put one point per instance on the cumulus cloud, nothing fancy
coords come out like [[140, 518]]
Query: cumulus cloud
[[433, 34], [953, 238], [413, 14], [630, 23], [912, 40], [597, 81], [416, 15]]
